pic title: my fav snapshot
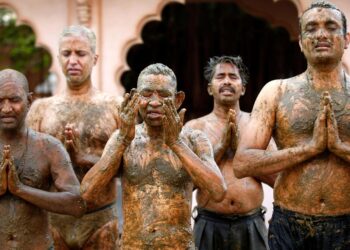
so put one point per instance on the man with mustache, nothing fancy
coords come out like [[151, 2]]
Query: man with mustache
[[83, 119], [160, 164], [237, 221], [308, 115], [31, 164]]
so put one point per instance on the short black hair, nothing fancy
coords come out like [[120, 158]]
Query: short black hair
[[209, 69], [325, 5]]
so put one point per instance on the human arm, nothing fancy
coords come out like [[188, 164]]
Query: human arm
[[3, 169], [269, 179], [252, 158], [334, 143], [78, 156], [35, 114], [200, 163], [101, 174], [67, 199]]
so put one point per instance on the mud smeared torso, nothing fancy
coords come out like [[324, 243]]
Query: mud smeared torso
[[23, 225], [319, 185], [156, 196]]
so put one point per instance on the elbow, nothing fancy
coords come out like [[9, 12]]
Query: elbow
[[79, 208], [239, 173], [239, 169], [219, 193]]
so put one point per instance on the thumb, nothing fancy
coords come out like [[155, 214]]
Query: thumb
[[182, 115]]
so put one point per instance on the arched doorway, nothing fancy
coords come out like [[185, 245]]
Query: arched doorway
[[189, 34], [18, 51]]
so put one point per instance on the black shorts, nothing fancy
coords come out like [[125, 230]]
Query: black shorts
[[294, 231], [213, 231]]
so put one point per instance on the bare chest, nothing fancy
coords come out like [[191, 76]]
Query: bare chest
[[93, 122], [298, 110], [153, 164]]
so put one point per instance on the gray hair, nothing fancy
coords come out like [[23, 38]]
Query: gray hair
[[79, 30], [11, 75], [158, 69]]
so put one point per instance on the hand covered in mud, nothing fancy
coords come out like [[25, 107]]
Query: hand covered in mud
[[71, 141], [233, 125], [13, 182], [333, 139], [3, 169], [172, 122], [9, 176], [127, 115], [319, 138]]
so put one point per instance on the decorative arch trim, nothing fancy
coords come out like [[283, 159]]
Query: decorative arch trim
[[156, 16]]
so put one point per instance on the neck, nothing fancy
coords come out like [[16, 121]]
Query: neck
[[325, 78], [8, 136], [221, 110], [154, 132], [83, 89]]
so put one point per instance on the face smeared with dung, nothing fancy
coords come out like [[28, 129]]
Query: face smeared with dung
[[76, 59], [153, 90], [322, 39], [226, 85], [14, 105]]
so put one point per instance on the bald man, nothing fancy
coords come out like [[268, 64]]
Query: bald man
[[31, 163]]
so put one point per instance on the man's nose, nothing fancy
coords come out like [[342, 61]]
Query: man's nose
[[6, 107], [155, 101], [73, 59], [321, 33]]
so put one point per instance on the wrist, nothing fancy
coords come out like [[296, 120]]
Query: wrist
[[174, 143]]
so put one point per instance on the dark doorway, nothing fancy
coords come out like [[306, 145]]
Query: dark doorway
[[190, 34]]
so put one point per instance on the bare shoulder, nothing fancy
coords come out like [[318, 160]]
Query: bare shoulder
[[41, 104], [108, 99], [198, 123], [37, 112], [46, 143], [194, 136]]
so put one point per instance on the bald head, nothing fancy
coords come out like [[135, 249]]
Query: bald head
[[11, 75]]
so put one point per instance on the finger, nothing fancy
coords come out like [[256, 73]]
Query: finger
[[132, 92], [182, 115], [166, 108], [172, 108], [125, 101]]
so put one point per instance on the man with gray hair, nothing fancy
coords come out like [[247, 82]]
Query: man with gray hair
[[83, 119], [160, 163]]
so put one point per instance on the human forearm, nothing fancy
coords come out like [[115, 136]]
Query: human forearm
[[341, 150], [84, 159], [203, 176], [219, 151], [267, 179], [58, 202], [102, 173], [257, 162]]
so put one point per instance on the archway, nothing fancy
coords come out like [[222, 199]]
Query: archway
[[18, 51], [189, 34]]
